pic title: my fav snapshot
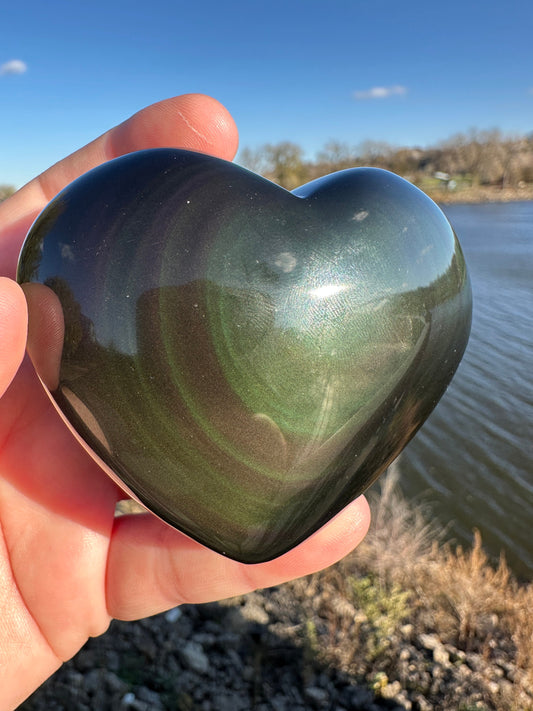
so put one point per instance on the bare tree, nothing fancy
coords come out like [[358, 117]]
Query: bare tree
[[253, 159], [337, 155]]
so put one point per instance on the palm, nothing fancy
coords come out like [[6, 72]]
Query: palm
[[56, 517], [67, 565]]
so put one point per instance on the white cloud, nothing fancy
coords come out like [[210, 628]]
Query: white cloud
[[380, 92], [14, 66]]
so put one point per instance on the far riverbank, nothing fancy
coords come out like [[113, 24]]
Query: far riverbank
[[481, 194]]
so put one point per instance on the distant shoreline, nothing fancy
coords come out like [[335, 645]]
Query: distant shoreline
[[482, 195]]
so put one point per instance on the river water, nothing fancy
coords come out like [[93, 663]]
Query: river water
[[473, 459]]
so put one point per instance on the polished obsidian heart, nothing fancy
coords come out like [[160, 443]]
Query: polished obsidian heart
[[243, 359]]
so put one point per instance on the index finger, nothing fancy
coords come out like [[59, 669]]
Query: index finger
[[192, 121]]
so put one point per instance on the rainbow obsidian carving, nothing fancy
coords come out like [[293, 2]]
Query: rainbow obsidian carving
[[244, 360]]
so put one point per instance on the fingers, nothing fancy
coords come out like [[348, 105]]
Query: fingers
[[46, 330], [13, 328], [152, 567], [193, 121]]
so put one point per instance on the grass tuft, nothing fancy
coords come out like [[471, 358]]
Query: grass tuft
[[409, 608]]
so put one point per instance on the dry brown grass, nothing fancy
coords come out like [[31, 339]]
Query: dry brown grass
[[401, 534], [468, 597], [406, 576], [480, 608], [367, 616]]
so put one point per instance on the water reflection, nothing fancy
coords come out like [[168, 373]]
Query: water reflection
[[225, 413]]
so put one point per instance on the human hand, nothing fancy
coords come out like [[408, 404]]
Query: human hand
[[67, 564]]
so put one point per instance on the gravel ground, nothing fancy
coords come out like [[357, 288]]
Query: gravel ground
[[266, 652], [335, 641], [234, 656]]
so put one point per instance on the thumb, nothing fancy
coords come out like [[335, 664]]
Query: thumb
[[13, 330]]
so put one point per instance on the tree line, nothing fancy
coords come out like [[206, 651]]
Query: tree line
[[472, 159], [475, 158]]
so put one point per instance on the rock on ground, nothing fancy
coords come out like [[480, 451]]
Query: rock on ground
[[254, 654]]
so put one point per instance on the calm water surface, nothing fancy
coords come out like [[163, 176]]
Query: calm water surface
[[473, 459]]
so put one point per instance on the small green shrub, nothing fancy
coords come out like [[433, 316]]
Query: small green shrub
[[383, 607]]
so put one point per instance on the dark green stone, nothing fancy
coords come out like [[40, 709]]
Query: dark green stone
[[244, 359]]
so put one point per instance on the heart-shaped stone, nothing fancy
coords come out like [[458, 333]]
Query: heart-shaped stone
[[243, 360]]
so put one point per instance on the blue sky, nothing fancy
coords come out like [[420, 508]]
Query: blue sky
[[409, 73]]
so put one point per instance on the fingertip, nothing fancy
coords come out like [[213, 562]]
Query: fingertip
[[220, 129], [191, 121], [13, 330], [327, 546], [11, 295], [351, 525], [46, 330], [175, 569]]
